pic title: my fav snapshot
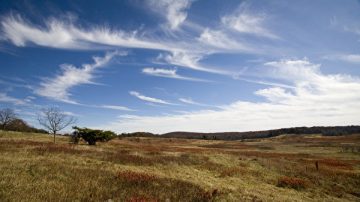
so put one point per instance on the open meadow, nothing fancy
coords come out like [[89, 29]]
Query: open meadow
[[283, 168]]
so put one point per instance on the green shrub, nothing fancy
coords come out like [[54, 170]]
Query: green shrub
[[92, 136]]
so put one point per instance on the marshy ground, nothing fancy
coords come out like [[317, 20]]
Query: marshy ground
[[284, 168]]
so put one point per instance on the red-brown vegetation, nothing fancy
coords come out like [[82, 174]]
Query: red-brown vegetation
[[135, 177], [292, 182]]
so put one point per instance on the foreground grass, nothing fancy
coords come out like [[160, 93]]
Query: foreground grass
[[32, 168]]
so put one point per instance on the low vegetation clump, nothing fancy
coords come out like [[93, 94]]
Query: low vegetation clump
[[56, 149], [233, 171], [335, 163], [134, 177], [291, 182]]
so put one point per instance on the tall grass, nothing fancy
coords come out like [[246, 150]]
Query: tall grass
[[32, 168]]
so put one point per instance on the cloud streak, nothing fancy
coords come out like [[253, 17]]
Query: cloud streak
[[169, 73], [246, 22], [351, 58], [8, 99], [190, 101], [116, 107], [66, 35], [149, 99], [220, 40], [58, 88], [174, 10], [62, 34]]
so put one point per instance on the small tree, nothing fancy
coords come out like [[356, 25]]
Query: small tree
[[54, 120], [7, 115]]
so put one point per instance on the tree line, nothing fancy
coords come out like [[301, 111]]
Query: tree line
[[53, 120], [11, 122], [323, 130]]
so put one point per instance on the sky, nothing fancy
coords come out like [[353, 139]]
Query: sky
[[183, 65]]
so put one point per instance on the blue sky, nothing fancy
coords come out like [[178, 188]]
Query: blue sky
[[183, 65]]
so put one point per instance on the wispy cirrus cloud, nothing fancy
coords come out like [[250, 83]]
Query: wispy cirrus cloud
[[58, 88], [4, 97], [67, 35], [245, 21], [116, 107], [353, 29], [219, 39], [169, 73], [317, 99], [173, 10], [190, 101], [190, 60], [15, 82], [351, 58], [63, 34], [149, 99]]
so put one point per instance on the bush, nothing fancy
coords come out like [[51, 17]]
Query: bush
[[92, 136]]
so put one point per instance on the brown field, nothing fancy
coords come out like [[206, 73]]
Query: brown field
[[283, 168]]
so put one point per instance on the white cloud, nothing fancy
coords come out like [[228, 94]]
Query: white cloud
[[192, 102], [58, 88], [66, 35], [218, 39], [6, 98], [149, 99], [168, 73], [354, 29], [174, 10], [317, 99], [15, 82], [188, 101], [183, 50], [351, 58], [190, 60], [294, 70], [186, 52], [70, 113], [275, 94], [247, 22], [116, 107], [268, 83], [29, 98]]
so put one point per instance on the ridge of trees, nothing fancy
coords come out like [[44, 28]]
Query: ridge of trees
[[323, 130], [9, 121]]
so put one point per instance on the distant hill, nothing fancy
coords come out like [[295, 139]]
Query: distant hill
[[324, 130]]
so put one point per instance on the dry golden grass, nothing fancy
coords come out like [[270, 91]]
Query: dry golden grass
[[32, 168]]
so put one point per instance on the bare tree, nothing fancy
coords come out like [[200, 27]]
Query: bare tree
[[7, 115], [54, 120]]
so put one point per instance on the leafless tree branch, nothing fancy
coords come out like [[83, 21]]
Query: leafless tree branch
[[54, 120], [7, 115]]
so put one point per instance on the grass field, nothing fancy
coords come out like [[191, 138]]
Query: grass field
[[32, 168]]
